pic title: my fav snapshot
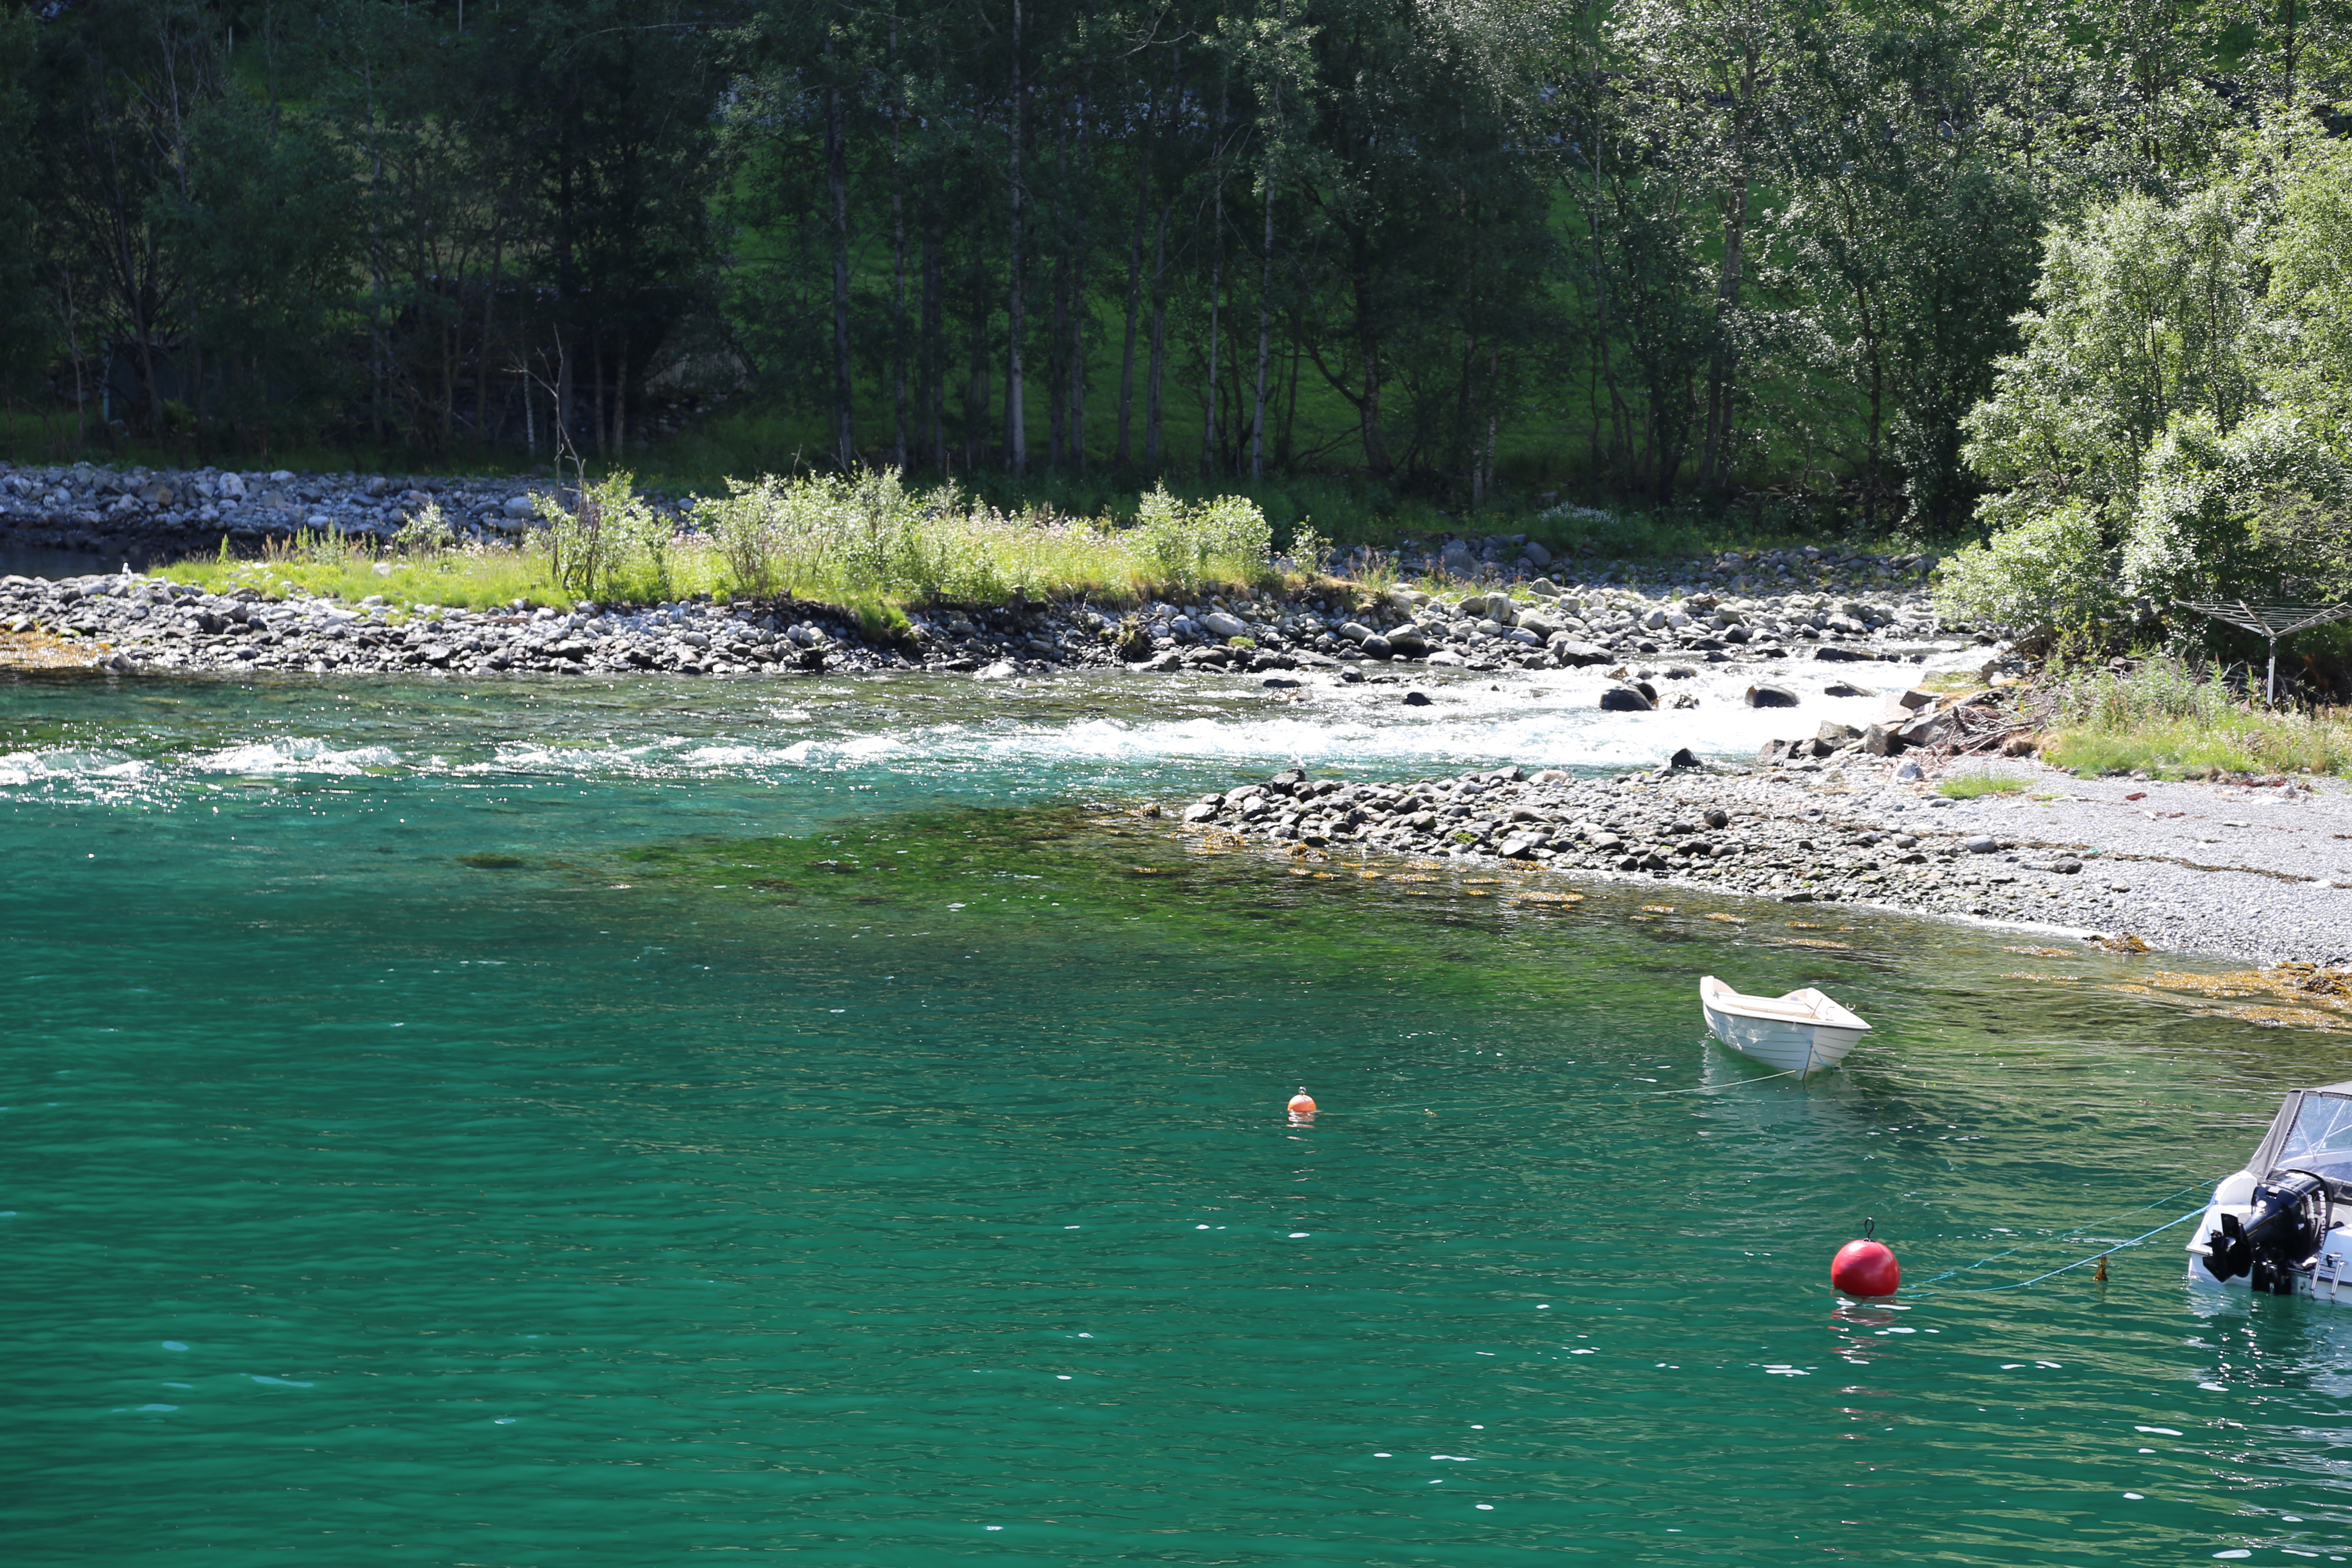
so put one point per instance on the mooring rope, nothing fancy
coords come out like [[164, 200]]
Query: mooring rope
[[2068, 1235], [2038, 1279]]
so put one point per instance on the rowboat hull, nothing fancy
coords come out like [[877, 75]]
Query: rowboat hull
[[1800, 1033]]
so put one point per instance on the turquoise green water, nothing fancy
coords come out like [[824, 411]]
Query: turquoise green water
[[803, 1132]]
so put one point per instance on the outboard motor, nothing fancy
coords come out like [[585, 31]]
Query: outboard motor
[[2282, 1236]]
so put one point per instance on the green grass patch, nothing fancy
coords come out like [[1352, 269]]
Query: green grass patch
[[479, 578], [865, 543], [2180, 748], [1969, 786], [2172, 719]]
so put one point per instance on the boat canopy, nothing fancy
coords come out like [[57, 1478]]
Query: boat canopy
[[2313, 1132]]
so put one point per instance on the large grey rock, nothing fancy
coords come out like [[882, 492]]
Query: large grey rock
[[1880, 741], [1760, 696], [1217, 623], [1624, 699], [1571, 650], [1925, 732], [520, 508], [1982, 844], [1538, 554]]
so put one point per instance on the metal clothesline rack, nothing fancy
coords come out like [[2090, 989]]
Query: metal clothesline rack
[[2269, 621]]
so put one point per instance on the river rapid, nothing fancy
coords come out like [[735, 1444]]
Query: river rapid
[[508, 1122]]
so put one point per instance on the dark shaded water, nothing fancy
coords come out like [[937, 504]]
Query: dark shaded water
[[509, 1125]]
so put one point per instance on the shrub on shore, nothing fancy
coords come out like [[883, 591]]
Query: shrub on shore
[[863, 541], [2170, 717]]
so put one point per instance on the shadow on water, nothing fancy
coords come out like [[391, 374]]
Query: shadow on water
[[39, 561]]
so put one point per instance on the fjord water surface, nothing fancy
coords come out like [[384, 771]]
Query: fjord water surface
[[515, 1124]]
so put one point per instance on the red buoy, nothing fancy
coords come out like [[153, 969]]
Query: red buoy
[[1864, 1267], [1302, 1103]]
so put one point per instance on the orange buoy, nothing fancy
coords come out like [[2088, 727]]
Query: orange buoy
[[1302, 1103], [1864, 1267]]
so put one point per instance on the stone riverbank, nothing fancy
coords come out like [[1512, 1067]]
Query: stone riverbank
[[2261, 870]]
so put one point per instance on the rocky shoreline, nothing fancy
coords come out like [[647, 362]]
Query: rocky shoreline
[[2259, 871], [1839, 814], [1509, 605]]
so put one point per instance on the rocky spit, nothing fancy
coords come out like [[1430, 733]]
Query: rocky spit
[[2261, 870], [127, 622], [1511, 606]]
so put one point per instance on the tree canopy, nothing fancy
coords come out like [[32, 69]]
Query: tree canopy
[[1706, 252]]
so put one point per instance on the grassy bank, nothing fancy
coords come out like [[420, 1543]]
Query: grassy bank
[[2172, 719], [865, 543]]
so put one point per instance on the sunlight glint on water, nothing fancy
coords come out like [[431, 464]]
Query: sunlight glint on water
[[503, 1123]]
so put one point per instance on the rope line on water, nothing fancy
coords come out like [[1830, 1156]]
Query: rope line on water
[[1719, 1087], [2094, 1257], [2070, 1235]]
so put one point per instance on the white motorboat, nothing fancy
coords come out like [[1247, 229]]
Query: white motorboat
[[2274, 1224], [1795, 1033]]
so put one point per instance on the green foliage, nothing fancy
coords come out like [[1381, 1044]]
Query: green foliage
[[266, 228], [2143, 314], [1973, 786], [2051, 574], [862, 540], [2172, 718], [1186, 545], [606, 535], [2172, 427], [2309, 308], [1369, 264], [2265, 511]]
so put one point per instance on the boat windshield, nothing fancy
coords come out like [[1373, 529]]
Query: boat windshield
[[2320, 1140]]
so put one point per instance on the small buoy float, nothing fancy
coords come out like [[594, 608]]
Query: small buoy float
[[1302, 1103], [1865, 1268]]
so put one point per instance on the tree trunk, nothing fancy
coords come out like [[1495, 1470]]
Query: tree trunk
[[897, 269], [1057, 386], [934, 371], [597, 410], [1289, 407], [1016, 430], [1716, 439], [1265, 285], [1722, 369], [620, 403], [1368, 407], [975, 391], [1158, 377], [1217, 270], [482, 431], [1135, 271], [836, 179], [1079, 314]]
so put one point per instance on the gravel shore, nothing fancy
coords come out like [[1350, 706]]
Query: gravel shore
[[2261, 872]]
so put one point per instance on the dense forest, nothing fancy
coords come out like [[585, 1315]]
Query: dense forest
[[1646, 252]]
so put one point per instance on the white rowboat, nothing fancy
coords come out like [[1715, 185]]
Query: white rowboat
[[1795, 1033]]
